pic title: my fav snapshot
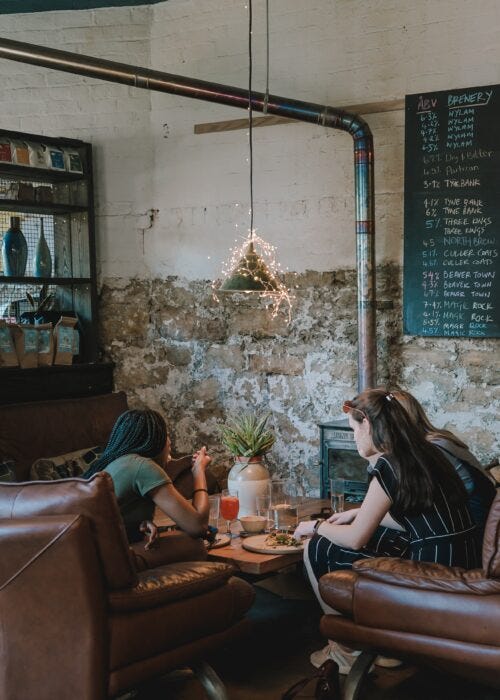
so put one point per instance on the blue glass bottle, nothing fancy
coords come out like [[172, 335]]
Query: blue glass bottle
[[14, 250], [42, 262]]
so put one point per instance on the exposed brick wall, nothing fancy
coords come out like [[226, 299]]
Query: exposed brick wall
[[196, 360]]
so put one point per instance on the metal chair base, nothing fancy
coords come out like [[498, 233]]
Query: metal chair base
[[212, 684], [357, 674]]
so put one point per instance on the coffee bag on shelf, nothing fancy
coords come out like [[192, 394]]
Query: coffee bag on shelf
[[26, 342], [8, 355], [20, 153], [37, 155], [45, 344], [64, 339]]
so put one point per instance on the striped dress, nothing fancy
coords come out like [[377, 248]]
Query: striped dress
[[445, 533]]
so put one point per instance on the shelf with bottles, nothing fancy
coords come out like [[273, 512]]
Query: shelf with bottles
[[64, 237]]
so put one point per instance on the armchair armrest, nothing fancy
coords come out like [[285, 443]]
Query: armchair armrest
[[171, 547], [426, 576]]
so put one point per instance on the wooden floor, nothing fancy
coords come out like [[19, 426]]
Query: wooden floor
[[276, 655]]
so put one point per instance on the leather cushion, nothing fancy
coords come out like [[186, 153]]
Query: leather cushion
[[95, 499], [144, 634], [170, 582], [170, 547], [491, 542], [427, 576], [461, 616]]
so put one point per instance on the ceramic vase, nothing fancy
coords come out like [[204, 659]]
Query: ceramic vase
[[42, 262], [251, 479], [14, 250]]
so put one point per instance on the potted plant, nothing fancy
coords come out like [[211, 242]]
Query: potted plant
[[248, 439], [40, 306]]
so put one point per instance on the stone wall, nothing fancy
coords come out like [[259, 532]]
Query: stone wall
[[197, 360]]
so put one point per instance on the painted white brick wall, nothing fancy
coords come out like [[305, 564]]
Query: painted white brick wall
[[326, 51], [113, 117]]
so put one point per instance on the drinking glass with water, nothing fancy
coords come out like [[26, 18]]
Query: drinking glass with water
[[337, 488], [285, 500]]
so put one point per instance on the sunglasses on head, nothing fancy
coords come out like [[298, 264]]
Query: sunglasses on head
[[347, 407]]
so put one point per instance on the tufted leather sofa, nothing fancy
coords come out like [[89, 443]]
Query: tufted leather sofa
[[446, 617], [78, 620], [37, 429]]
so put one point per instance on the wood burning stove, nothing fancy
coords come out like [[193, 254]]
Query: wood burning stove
[[339, 458]]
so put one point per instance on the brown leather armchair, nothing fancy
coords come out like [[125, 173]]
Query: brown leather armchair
[[78, 621], [446, 617]]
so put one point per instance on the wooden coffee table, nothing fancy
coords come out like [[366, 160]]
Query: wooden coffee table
[[250, 562], [261, 564]]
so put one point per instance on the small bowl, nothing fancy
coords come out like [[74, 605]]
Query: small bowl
[[253, 523]]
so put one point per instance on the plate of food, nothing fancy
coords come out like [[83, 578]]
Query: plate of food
[[221, 540], [274, 543]]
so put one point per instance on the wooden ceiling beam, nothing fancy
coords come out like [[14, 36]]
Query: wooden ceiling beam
[[235, 124]]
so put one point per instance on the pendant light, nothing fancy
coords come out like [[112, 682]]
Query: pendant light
[[252, 267]]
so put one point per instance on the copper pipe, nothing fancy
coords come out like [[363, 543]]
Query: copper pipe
[[237, 97]]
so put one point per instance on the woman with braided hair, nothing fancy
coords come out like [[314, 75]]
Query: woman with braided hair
[[135, 457], [415, 506]]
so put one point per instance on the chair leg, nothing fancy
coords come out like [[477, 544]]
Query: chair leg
[[212, 684], [357, 674]]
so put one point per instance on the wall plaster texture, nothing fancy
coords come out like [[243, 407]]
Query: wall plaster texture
[[196, 360], [177, 350]]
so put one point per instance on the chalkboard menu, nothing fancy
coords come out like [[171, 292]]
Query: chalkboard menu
[[452, 213]]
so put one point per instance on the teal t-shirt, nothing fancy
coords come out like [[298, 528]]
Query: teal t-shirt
[[133, 478]]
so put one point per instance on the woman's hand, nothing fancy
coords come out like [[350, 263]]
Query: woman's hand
[[151, 531], [200, 460], [343, 518], [305, 529]]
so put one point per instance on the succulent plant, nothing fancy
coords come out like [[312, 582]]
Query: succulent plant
[[246, 435], [44, 301]]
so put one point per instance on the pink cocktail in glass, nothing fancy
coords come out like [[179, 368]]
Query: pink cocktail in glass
[[229, 507]]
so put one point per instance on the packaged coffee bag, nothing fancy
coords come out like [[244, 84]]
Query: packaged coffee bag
[[26, 342], [5, 151], [73, 161], [45, 344], [20, 153], [55, 158], [37, 155], [8, 355], [64, 339]]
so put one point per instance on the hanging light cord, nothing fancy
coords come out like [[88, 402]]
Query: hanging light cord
[[250, 113], [266, 96]]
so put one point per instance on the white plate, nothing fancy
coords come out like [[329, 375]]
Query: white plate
[[258, 544], [221, 540]]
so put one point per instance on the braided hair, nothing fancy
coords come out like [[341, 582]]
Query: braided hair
[[135, 432]]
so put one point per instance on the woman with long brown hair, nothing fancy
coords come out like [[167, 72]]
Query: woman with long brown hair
[[479, 486], [415, 506]]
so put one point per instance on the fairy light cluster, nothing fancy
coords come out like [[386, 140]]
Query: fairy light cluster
[[254, 266]]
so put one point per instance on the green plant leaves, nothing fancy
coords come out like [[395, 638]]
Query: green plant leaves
[[246, 435]]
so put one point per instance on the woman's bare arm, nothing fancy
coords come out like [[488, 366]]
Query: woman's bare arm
[[185, 515], [370, 515], [192, 518]]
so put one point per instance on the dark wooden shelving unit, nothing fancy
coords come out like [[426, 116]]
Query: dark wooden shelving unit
[[72, 242]]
